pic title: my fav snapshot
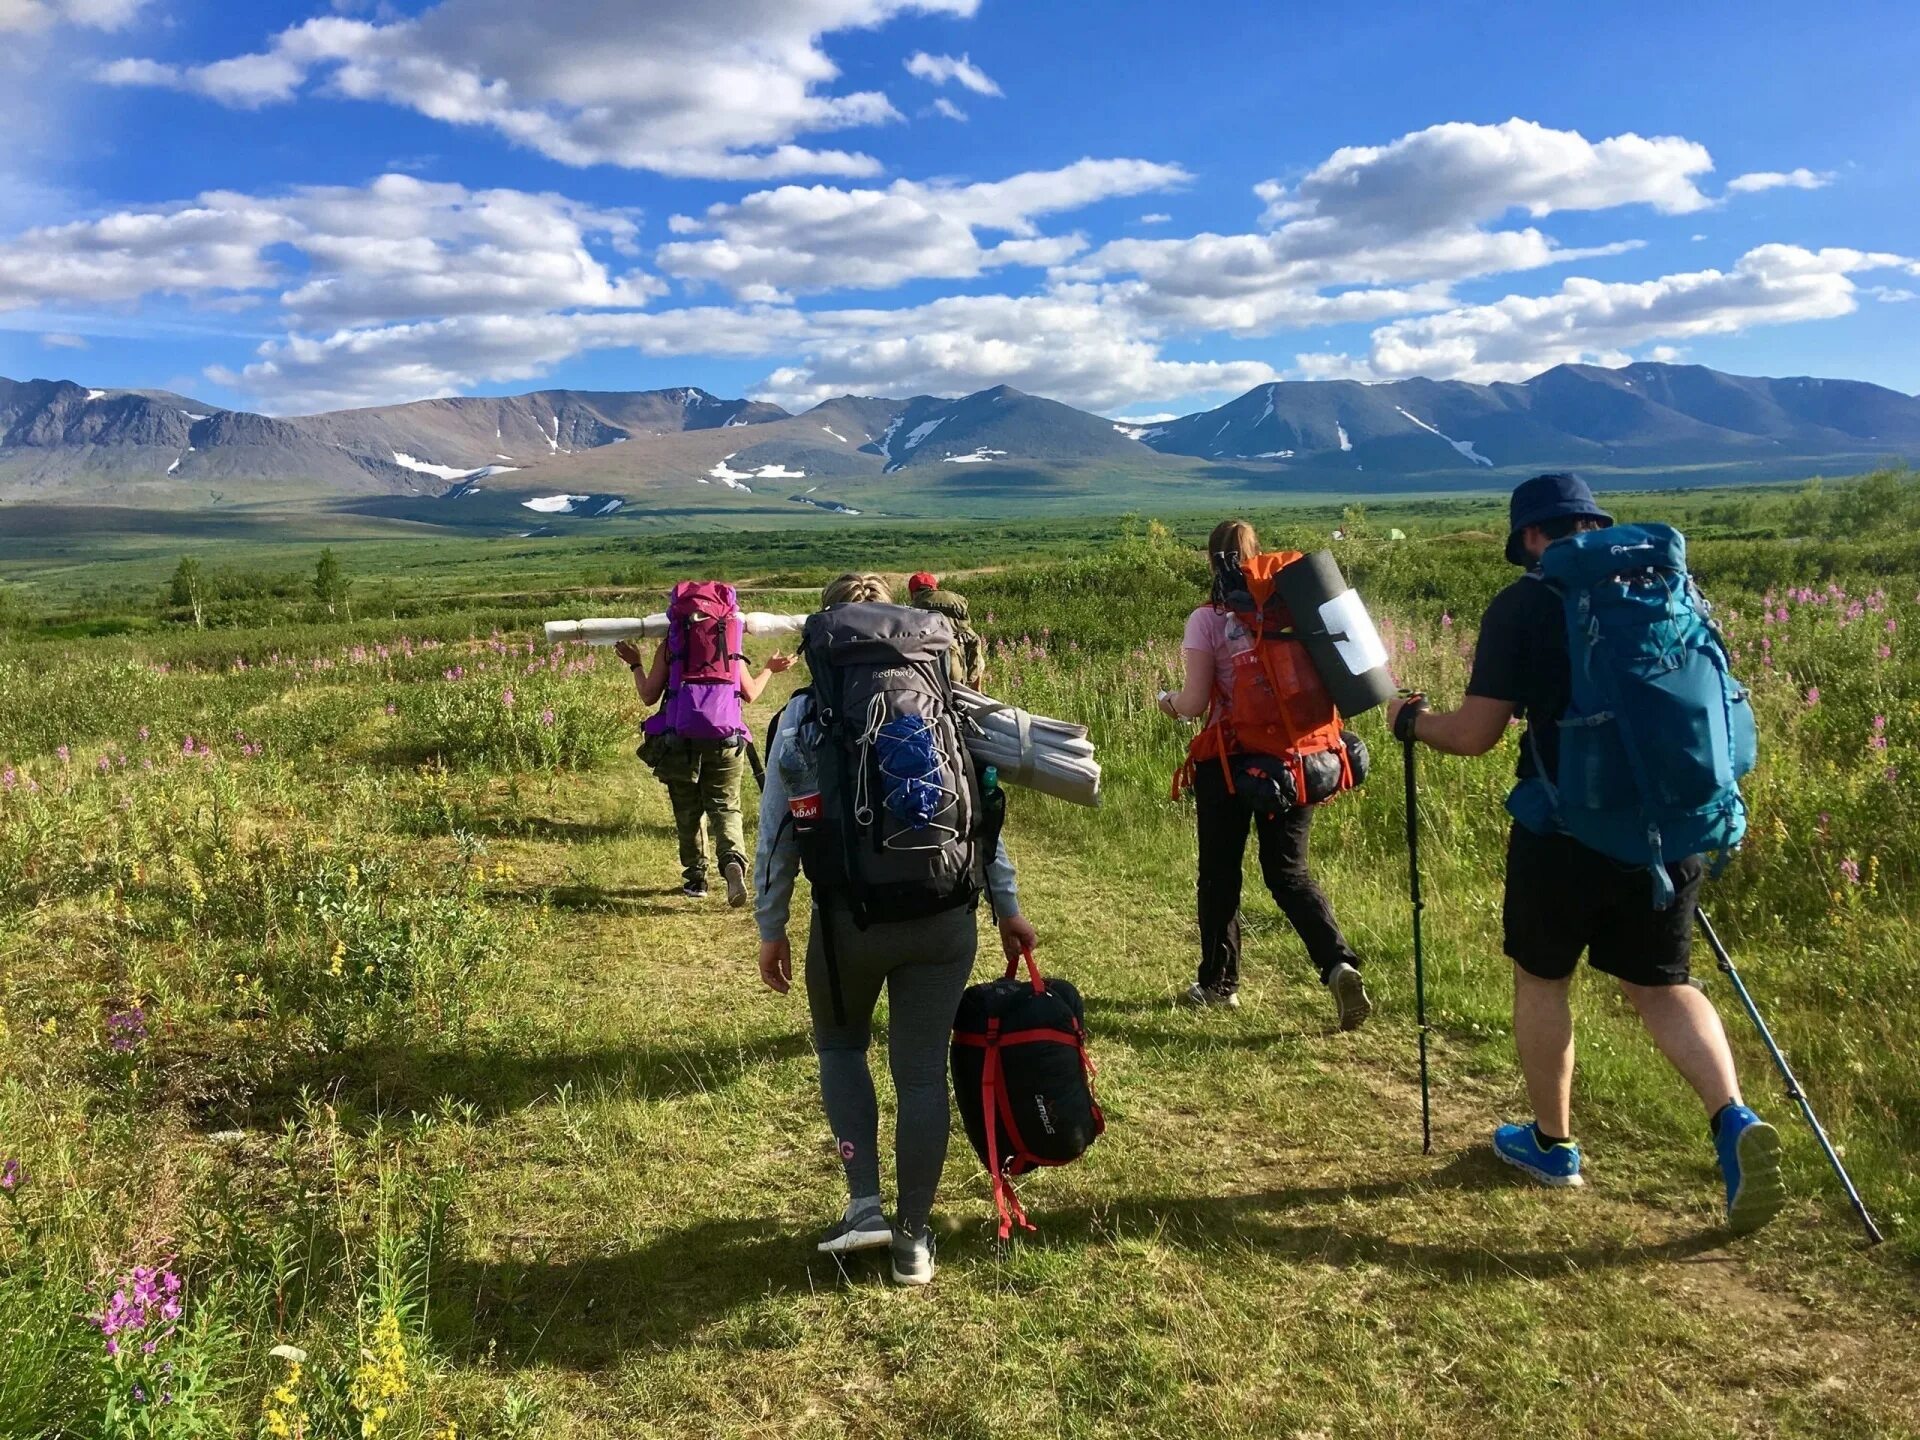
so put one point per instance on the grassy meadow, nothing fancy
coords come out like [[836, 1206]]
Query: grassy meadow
[[362, 1072]]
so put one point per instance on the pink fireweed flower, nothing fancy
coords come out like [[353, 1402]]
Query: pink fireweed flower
[[12, 1174], [66, 755], [506, 698], [546, 717], [186, 746], [1892, 625], [1886, 652], [1893, 773], [144, 732], [456, 673], [7, 778], [1850, 868], [1813, 695], [105, 765], [1446, 621], [1878, 740], [391, 707]]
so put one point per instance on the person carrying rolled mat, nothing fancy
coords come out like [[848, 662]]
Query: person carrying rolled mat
[[967, 661], [1563, 898], [895, 906], [702, 762], [1215, 636]]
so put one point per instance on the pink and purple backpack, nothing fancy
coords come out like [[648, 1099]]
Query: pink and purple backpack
[[703, 649]]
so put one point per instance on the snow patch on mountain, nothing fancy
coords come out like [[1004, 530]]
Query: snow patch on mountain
[[1274, 455], [93, 395], [918, 435], [191, 416], [982, 456], [555, 504], [836, 434], [427, 467], [1341, 431], [1465, 447]]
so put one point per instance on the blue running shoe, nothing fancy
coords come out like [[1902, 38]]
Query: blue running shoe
[[1750, 1161], [1557, 1165]]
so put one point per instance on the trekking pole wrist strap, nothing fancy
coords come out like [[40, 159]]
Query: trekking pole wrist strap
[[1408, 718]]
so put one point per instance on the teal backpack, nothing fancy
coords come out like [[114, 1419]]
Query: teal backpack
[[1659, 732]]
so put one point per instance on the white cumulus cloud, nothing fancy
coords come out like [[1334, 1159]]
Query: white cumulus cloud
[[806, 239], [397, 247], [39, 14], [1801, 179], [682, 87], [1595, 322], [939, 69]]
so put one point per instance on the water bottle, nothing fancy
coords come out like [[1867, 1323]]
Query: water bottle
[[798, 769]]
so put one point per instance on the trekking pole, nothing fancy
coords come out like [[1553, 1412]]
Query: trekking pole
[[1874, 1236], [1419, 951]]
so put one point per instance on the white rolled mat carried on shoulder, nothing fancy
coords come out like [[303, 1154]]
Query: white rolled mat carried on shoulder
[[1054, 757], [654, 627]]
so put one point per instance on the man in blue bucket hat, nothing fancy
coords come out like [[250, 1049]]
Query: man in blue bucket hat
[[1563, 898]]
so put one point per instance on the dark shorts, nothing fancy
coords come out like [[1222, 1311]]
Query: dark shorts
[[1563, 898]]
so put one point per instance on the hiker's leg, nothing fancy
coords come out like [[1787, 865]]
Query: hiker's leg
[[1650, 953], [1686, 1027], [1543, 1034], [684, 795], [720, 778], [1222, 826], [1552, 886], [921, 1000], [846, 1082], [1283, 864]]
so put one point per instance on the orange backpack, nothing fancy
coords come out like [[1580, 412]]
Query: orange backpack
[[1279, 706]]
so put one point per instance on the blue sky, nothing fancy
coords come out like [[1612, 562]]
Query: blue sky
[[1135, 207]]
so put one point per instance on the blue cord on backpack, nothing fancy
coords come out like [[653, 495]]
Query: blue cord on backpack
[[911, 770]]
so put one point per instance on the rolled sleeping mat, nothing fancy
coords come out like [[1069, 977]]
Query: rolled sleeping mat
[[654, 627], [1051, 756], [1340, 636]]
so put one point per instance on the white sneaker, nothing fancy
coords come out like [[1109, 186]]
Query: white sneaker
[[1198, 996], [868, 1230], [913, 1258], [1349, 996]]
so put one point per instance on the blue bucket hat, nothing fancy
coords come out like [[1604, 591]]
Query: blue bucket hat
[[1546, 498]]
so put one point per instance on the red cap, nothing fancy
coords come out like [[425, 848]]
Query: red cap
[[921, 581]]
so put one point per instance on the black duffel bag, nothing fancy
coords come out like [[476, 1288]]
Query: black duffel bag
[[1023, 1079]]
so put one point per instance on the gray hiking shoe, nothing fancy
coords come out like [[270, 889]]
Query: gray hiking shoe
[[868, 1230], [695, 889], [1201, 998], [736, 874], [913, 1258], [1350, 1000]]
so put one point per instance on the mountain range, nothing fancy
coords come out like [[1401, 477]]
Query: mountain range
[[597, 452]]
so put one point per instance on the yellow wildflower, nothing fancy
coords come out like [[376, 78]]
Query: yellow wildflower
[[382, 1375], [284, 1417], [337, 967], [50, 1026]]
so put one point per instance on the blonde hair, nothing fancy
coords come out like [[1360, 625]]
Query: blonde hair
[[853, 588], [1232, 537]]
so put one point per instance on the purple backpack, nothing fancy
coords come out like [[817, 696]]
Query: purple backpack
[[703, 649]]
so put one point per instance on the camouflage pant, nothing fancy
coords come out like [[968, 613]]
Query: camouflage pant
[[704, 784]]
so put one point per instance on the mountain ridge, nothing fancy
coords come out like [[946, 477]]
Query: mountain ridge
[[62, 441]]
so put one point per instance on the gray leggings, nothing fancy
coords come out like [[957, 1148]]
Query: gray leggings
[[924, 965]]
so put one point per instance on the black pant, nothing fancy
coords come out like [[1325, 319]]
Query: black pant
[[1283, 864]]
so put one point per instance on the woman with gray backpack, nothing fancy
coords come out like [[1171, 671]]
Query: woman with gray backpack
[[871, 791]]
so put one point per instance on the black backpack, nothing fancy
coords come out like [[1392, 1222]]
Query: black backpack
[[906, 827], [1023, 1079]]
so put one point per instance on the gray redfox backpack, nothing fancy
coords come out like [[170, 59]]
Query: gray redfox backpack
[[904, 826]]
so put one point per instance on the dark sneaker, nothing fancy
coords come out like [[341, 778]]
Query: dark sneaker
[[1350, 1000], [1201, 998], [736, 874], [1556, 1165], [868, 1230], [1749, 1151], [913, 1258], [695, 889]]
